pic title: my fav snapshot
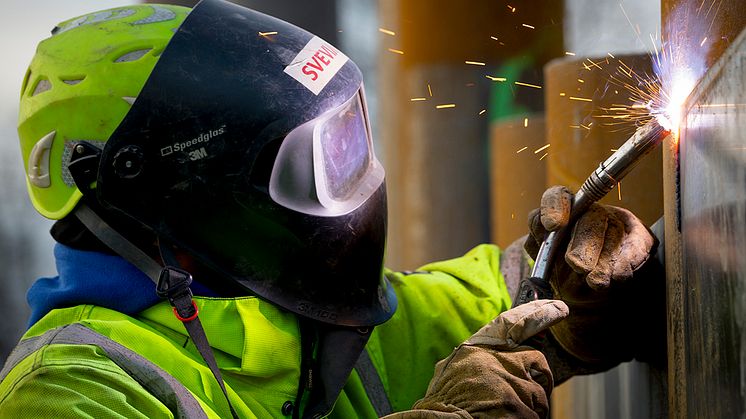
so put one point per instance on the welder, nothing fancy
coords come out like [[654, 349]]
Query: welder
[[220, 227]]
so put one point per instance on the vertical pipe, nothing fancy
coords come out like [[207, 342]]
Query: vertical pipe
[[517, 174], [437, 159]]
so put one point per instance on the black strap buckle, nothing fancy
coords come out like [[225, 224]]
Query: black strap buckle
[[173, 284], [83, 165]]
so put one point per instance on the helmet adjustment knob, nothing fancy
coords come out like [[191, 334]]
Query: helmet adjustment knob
[[128, 162]]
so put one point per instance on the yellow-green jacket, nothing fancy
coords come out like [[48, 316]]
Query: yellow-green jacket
[[90, 361]]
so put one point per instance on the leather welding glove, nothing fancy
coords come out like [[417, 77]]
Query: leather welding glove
[[595, 278], [492, 375]]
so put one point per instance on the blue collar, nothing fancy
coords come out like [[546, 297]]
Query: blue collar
[[94, 278]]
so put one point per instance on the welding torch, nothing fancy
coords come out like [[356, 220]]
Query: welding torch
[[598, 184]]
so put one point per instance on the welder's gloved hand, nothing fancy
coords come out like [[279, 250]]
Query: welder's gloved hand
[[595, 278], [492, 375]]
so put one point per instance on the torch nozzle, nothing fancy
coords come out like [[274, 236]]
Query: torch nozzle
[[611, 171]]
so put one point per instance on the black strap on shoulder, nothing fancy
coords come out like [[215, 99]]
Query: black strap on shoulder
[[373, 385], [116, 242], [172, 284]]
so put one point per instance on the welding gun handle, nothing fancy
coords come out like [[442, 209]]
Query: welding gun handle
[[532, 289], [537, 285]]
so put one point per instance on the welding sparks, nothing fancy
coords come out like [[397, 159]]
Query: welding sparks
[[528, 26], [542, 157], [429, 90], [678, 64], [418, 99], [474, 62], [595, 64], [521, 150], [619, 190], [539, 150], [396, 51], [267, 33], [445, 106], [511, 8], [496, 78], [572, 54], [528, 85], [582, 99], [482, 111], [525, 122], [387, 32]]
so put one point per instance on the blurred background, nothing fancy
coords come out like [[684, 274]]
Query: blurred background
[[476, 107]]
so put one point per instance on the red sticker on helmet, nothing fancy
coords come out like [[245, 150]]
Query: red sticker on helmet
[[316, 64]]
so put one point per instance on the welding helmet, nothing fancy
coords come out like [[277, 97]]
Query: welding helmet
[[248, 147]]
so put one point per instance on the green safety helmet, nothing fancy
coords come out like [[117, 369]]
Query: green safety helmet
[[79, 86]]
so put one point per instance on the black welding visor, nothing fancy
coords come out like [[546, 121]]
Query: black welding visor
[[238, 154]]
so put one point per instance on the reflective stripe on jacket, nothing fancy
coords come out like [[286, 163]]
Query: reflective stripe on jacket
[[89, 361]]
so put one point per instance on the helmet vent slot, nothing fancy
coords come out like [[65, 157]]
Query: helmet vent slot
[[41, 86], [132, 56], [73, 81]]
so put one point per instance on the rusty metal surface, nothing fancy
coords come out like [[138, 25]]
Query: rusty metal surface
[[676, 340], [713, 232], [697, 336]]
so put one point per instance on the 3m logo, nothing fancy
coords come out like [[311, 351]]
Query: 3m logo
[[316, 64], [198, 154]]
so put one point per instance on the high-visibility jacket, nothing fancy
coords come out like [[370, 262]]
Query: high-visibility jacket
[[90, 361]]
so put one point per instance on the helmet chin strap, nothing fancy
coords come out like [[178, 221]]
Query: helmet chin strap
[[118, 243], [171, 283]]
